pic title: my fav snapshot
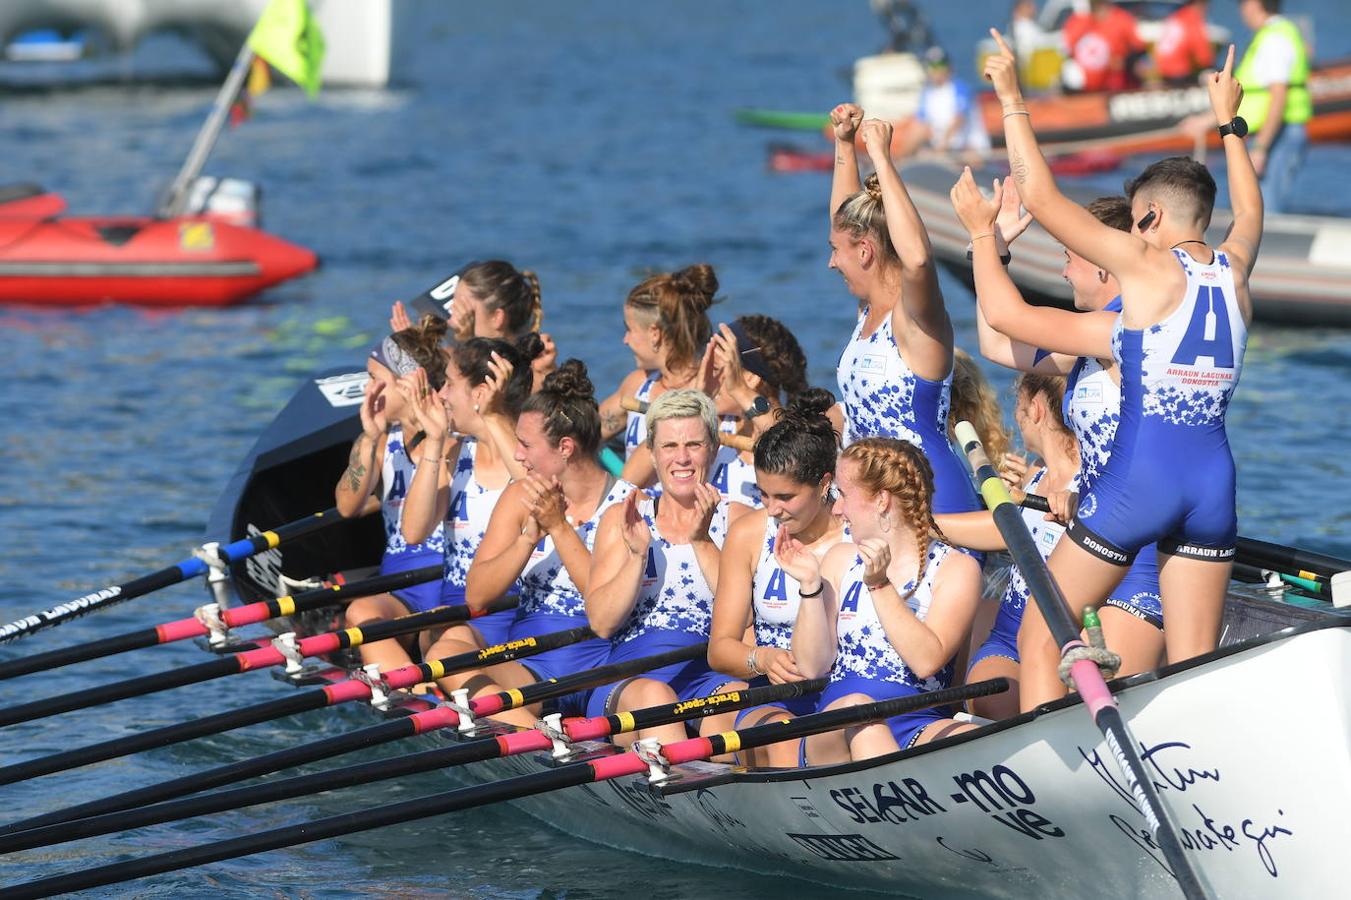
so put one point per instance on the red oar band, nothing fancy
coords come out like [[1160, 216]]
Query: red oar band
[[372, 736], [617, 766]]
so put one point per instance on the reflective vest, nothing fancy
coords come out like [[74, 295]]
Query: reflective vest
[[1256, 98]]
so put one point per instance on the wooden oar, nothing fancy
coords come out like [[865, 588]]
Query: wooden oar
[[372, 736], [188, 568], [588, 772], [522, 741], [743, 442], [1315, 572], [331, 695], [234, 617], [276, 653], [1092, 688]]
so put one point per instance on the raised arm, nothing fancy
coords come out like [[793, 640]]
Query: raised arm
[[844, 121], [622, 540], [506, 548], [1120, 253], [368, 452], [929, 644], [921, 297], [429, 492], [814, 639], [732, 604], [1245, 195]]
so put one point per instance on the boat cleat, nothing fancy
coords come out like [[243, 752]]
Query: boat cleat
[[551, 726], [209, 614], [288, 646], [459, 701], [371, 676], [658, 766]]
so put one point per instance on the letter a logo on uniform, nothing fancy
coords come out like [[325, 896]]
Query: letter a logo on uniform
[[1208, 332]]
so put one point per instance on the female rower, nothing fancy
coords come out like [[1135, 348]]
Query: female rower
[[887, 614], [1040, 419], [757, 602], [666, 326], [541, 535], [495, 300], [384, 458], [895, 374], [1180, 343], [752, 367], [1045, 340], [486, 382], [656, 561], [975, 400]]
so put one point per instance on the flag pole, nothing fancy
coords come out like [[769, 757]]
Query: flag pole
[[176, 198]]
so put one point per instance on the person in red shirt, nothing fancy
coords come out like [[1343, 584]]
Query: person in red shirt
[[1183, 50], [1103, 44]]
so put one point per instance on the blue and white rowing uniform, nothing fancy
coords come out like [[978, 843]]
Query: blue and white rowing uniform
[[471, 506], [775, 597], [674, 608], [867, 663], [735, 478], [1003, 639], [1170, 478], [883, 397], [396, 474], [635, 429], [1092, 408], [550, 601]]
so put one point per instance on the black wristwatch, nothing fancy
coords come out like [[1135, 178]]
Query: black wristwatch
[[758, 407], [1238, 128]]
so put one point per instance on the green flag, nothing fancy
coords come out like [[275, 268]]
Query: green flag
[[288, 37]]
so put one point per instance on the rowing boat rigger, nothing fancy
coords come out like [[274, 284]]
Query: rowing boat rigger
[[1013, 809]]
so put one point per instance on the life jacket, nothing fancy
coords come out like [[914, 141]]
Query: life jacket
[[1257, 98]]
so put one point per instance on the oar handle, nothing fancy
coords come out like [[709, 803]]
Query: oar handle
[[742, 442], [188, 568]]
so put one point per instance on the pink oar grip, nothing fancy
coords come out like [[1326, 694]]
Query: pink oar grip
[[180, 630], [523, 742], [251, 614], [432, 719], [1088, 681], [347, 691]]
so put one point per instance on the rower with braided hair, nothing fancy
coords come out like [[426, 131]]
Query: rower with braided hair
[[885, 616]]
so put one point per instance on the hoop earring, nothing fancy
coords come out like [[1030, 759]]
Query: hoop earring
[[1102, 276], [884, 525]]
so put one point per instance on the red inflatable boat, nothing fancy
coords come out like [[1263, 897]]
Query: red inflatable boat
[[47, 259]]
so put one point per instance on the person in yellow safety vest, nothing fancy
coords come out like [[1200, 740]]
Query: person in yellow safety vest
[[1276, 104]]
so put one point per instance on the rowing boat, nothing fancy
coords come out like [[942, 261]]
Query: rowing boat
[[1010, 810]]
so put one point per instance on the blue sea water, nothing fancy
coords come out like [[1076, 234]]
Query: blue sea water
[[591, 141]]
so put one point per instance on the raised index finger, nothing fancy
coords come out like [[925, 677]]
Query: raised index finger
[[1003, 45], [1229, 61]]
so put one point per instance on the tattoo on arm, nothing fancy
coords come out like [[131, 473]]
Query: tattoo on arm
[[612, 422], [356, 469], [1018, 167]]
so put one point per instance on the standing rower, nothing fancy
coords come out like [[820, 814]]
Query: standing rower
[[895, 374], [1180, 343]]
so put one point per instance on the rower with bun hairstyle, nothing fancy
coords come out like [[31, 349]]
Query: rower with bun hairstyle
[[752, 367], [757, 601], [541, 535], [493, 299], [887, 614], [666, 327], [655, 566], [384, 460], [895, 374], [486, 384]]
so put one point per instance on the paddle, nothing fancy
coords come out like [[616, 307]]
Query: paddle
[[1314, 572], [587, 772], [735, 441], [330, 695], [375, 735], [522, 741], [231, 618], [277, 652], [188, 568], [1092, 688]]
